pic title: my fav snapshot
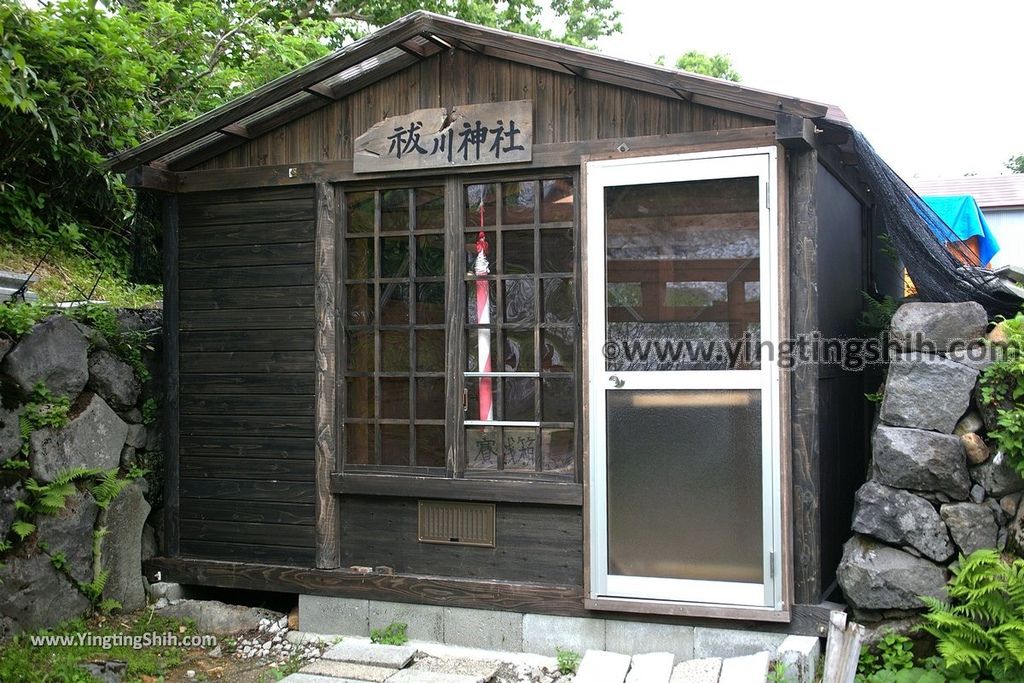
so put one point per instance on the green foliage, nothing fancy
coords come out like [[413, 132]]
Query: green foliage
[[293, 664], [22, 528], [150, 411], [108, 486], [1002, 388], [875, 397], [392, 634], [777, 673], [894, 652], [42, 410], [94, 589], [568, 661], [23, 662], [49, 499], [108, 605], [716, 65], [980, 630], [125, 344], [59, 561], [877, 315], [17, 318], [1016, 164]]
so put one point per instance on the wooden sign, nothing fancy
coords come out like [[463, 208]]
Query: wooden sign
[[468, 135]]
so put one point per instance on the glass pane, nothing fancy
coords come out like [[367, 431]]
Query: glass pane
[[692, 456], [359, 259], [394, 210], [517, 202], [359, 357], [394, 303], [394, 257], [680, 260], [394, 445], [559, 399], [519, 399], [394, 397], [517, 251], [519, 300], [558, 349], [518, 351], [486, 408], [359, 443], [359, 397], [360, 211], [430, 303], [480, 205], [359, 304], [519, 448], [473, 245], [557, 252], [429, 255], [558, 201], [481, 303], [430, 208], [394, 351], [559, 302], [430, 352], [430, 446], [482, 446], [430, 398], [481, 342], [558, 451]]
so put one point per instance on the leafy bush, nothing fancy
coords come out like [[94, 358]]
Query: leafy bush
[[392, 634], [17, 318], [568, 661], [894, 652], [1002, 390]]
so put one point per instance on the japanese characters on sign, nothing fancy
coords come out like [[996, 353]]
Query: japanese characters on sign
[[475, 134]]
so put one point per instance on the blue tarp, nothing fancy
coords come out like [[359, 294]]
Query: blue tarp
[[964, 218]]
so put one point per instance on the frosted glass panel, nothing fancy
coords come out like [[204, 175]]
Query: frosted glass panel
[[684, 484]]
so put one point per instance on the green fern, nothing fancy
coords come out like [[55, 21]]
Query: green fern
[[22, 528], [94, 589], [108, 605], [107, 487]]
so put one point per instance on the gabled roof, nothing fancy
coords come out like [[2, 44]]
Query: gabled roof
[[1005, 191], [415, 37]]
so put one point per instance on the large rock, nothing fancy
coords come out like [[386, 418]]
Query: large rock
[[35, 595], [114, 380], [920, 461], [972, 526], [997, 476], [901, 518], [69, 533], [121, 548], [10, 432], [876, 577], [218, 618], [9, 496], [93, 438], [6, 344], [926, 392], [938, 327], [54, 353]]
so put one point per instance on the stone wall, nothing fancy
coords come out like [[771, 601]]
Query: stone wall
[[936, 487], [78, 421]]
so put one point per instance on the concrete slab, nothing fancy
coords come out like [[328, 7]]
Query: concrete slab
[[652, 667], [746, 669], [344, 616], [413, 676], [800, 655], [490, 629], [599, 666], [482, 669], [723, 642], [459, 652], [697, 671], [314, 678], [542, 633], [424, 622], [391, 656], [348, 670], [637, 637]]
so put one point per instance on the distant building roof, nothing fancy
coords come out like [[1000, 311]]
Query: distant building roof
[[1005, 191]]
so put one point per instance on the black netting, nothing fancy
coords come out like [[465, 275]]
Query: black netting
[[932, 254]]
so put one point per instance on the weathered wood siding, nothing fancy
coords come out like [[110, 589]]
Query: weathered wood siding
[[567, 108], [245, 272]]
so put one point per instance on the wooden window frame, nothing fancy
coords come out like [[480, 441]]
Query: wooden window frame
[[454, 482]]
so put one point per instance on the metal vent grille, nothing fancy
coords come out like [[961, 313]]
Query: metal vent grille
[[456, 523]]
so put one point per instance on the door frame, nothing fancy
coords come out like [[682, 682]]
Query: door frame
[[775, 606]]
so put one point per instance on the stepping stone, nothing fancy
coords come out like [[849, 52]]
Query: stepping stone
[[414, 676], [653, 667], [749, 669], [313, 678], [348, 670], [697, 671], [391, 656], [599, 666], [482, 669]]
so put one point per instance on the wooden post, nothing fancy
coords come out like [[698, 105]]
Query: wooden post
[[170, 353], [328, 518], [842, 651]]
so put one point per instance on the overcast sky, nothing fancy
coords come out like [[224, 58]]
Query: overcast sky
[[937, 87]]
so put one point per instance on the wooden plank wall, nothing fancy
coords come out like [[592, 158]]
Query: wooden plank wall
[[567, 108], [246, 297]]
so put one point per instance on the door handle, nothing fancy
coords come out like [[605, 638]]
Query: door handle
[[619, 383]]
